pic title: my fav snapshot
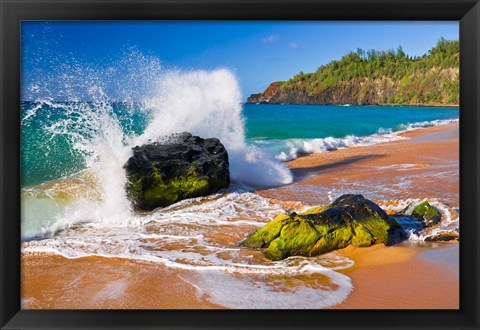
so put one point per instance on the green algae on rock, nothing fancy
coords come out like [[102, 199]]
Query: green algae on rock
[[427, 213], [349, 220], [185, 166]]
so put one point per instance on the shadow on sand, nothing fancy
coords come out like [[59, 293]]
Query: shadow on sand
[[303, 172]]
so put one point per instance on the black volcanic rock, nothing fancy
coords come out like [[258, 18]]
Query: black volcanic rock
[[184, 166]]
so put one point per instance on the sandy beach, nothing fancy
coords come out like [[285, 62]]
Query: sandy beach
[[422, 164]]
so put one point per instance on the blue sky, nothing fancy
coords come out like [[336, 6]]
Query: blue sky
[[257, 52]]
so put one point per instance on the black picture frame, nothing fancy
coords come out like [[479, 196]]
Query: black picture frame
[[467, 12]]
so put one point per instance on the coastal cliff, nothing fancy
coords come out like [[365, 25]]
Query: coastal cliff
[[375, 78]]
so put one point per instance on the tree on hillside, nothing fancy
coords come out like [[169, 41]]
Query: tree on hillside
[[417, 77]]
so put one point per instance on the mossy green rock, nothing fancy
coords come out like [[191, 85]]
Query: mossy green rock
[[427, 213], [349, 220], [184, 166]]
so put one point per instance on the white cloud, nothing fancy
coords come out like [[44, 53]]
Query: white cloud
[[271, 38], [293, 45]]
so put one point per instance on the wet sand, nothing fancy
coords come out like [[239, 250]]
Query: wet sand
[[406, 276], [50, 281], [400, 277]]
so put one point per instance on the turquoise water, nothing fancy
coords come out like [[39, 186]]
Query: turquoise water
[[51, 136], [51, 133], [270, 122]]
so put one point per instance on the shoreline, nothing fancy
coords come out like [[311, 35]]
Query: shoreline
[[401, 276], [424, 164]]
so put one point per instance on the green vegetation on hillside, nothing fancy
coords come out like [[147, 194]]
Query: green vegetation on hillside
[[381, 77]]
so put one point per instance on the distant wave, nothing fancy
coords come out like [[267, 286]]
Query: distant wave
[[286, 150]]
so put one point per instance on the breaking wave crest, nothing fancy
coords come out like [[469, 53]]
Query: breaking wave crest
[[94, 131]]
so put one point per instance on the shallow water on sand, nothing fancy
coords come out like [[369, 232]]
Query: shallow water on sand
[[202, 235]]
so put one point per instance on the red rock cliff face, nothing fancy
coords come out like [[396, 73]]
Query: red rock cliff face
[[271, 90], [267, 95], [274, 95]]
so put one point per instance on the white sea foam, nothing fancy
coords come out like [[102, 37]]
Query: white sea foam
[[449, 222], [255, 292], [423, 124], [292, 148]]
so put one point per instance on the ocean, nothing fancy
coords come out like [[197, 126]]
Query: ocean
[[73, 201], [292, 130], [287, 131]]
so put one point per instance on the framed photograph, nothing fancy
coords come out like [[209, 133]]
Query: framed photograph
[[238, 164]]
